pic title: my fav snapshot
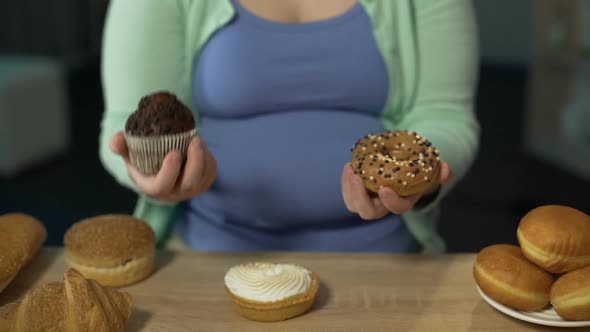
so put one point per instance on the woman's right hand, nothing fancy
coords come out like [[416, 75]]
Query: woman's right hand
[[173, 183]]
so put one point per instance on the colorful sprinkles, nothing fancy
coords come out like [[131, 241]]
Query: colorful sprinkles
[[395, 159]]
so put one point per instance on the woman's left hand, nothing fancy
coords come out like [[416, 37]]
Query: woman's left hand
[[358, 200]]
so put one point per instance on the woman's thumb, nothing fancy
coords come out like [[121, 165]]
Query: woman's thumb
[[118, 145]]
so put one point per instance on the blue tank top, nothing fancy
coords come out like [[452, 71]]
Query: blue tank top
[[280, 106]]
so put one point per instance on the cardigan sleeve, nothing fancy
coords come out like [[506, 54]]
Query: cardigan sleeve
[[143, 52], [442, 108]]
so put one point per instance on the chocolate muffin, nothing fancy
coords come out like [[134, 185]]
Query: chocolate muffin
[[160, 124], [160, 113]]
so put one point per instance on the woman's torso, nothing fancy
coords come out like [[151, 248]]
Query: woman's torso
[[281, 104]]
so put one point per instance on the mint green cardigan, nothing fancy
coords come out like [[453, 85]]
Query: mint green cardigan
[[429, 46]]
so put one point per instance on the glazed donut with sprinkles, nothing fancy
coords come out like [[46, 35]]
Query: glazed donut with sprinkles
[[401, 160]]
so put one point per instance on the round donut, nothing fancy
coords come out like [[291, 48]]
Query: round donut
[[570, 295], [555, 237], [401, 160], [504, 274]]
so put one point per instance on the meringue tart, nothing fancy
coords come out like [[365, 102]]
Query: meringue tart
[[271, 292]]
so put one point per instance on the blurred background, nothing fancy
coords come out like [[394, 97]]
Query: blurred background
[[533, 103]]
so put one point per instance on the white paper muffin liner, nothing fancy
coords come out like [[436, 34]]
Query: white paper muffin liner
[[147, 152]]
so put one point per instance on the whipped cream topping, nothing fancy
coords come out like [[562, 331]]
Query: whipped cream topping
[[267, 282]]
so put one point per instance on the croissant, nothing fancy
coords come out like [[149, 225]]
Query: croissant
[[75, 305]]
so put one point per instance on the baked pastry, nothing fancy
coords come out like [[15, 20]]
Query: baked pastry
[[160, 124], [77, 304], [271, 292], [570, 295], [21, 237], [504, 274], [401, 160], [115, 250], [555, 237], [158, 114]]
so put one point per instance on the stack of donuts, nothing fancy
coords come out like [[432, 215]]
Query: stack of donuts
[[551, 265]]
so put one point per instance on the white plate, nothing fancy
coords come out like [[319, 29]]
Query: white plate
[[546, 316]]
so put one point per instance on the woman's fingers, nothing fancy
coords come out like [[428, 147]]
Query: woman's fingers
[[173, 182], [210, 171], [119, 146], [161, 184], [168, 174], [194, 168], [357, 198], [347, 174], [395, 203], [365, 206], [446, 173]]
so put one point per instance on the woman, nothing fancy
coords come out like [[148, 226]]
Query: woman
[[282, 90]]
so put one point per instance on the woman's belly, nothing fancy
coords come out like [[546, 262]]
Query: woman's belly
[[281, 170]]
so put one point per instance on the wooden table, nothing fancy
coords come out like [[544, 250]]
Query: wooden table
[[360, 292]]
